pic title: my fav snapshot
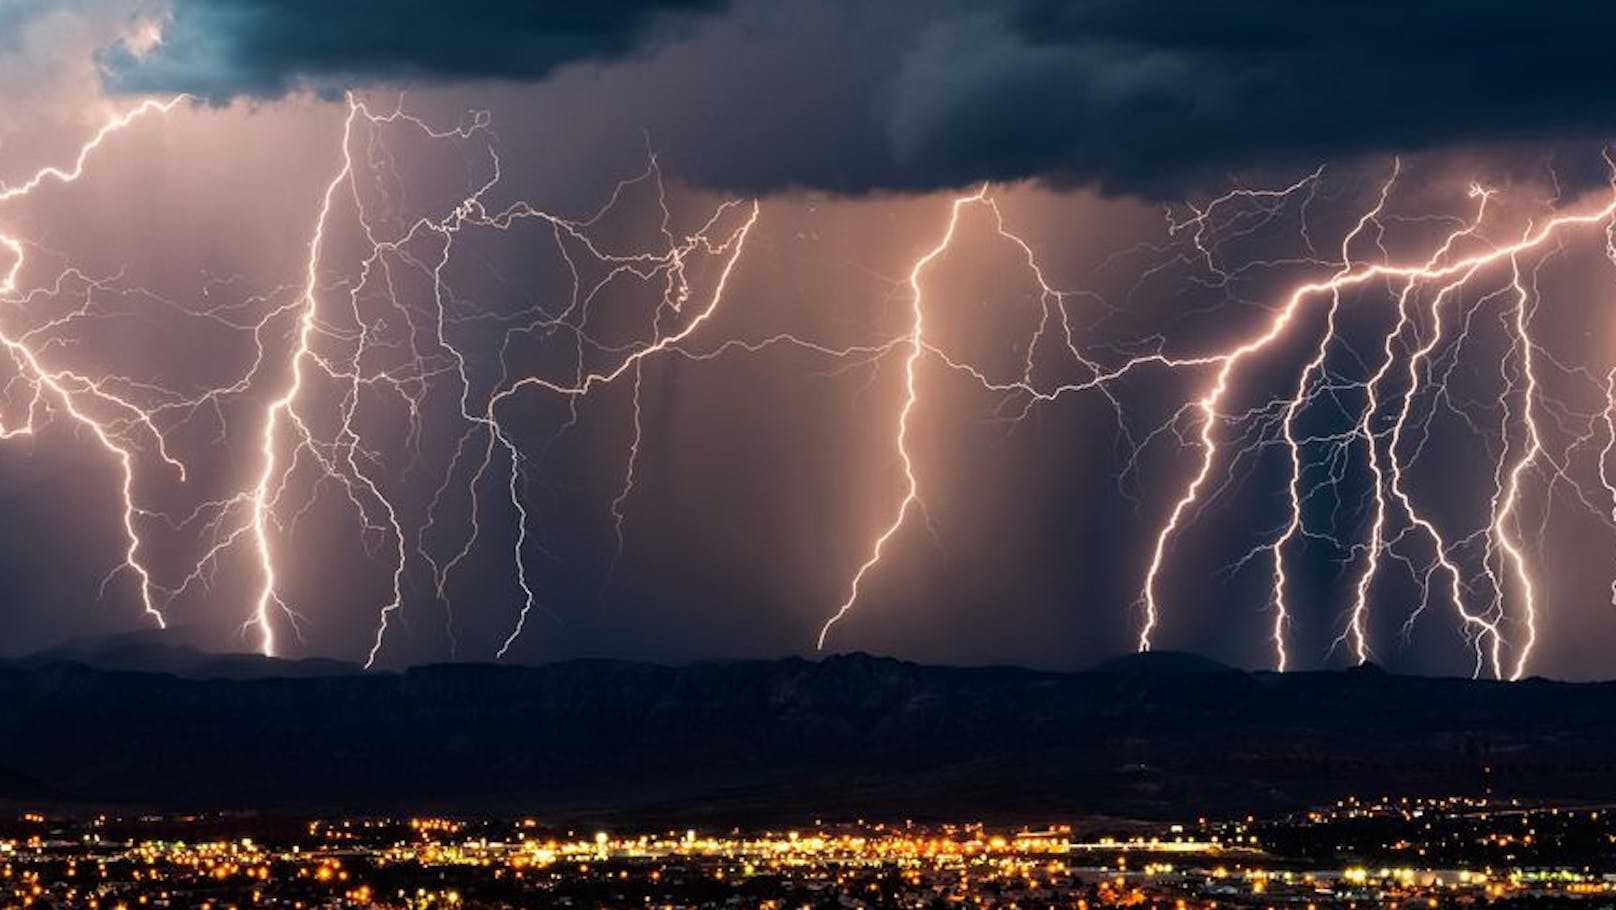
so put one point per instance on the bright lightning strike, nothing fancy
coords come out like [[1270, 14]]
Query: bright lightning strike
[[1383, 428], [356, 340]]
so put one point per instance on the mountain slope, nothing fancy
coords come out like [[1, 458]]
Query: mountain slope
[[785, 739]]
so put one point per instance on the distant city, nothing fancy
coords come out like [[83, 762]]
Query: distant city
[[1392, 853]]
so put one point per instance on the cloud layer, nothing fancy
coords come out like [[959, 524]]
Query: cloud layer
[[853, 96], [221, 49], [1138, 93]]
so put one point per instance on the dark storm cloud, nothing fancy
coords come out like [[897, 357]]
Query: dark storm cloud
[[221, 49], [1138, 93], [1150, 96]]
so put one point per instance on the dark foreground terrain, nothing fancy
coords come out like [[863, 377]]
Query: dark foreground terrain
[[1157, 735]]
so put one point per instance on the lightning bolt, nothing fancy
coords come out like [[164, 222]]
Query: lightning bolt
[[76, 394], [348, 344], [914, 345], [1449, 275], [1383, 437]]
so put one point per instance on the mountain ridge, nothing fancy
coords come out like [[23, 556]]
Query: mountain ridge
[[848, 735]]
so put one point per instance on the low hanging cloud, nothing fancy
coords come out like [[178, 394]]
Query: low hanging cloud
[[222, 49], [1135, 93], [1143, 96]]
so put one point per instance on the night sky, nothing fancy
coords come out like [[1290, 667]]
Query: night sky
[[549, 330]]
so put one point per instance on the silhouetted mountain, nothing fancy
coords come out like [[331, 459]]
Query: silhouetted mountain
[[1161, 663], [167, 651], [1152, 735]]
